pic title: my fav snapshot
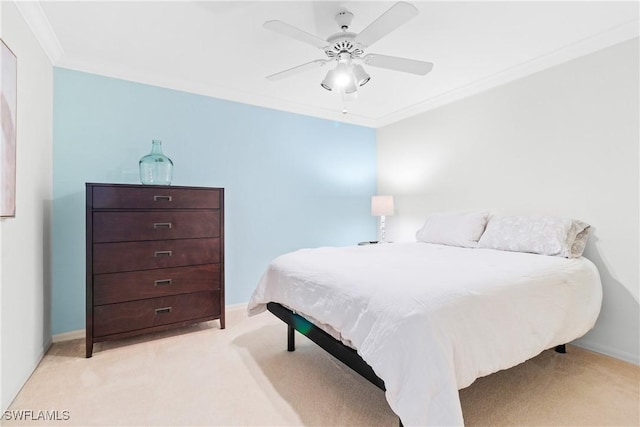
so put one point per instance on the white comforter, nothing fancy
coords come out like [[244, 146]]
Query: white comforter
[[430, 319]]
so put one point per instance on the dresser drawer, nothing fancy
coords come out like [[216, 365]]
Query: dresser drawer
[[119, 287], [154, 225], [154, 197], [129, 316], [131, 256]]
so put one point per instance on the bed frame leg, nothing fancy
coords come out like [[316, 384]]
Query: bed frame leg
[[291, 338], [561, 348]]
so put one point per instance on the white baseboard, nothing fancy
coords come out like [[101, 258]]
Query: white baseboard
[[68, 336], [241, 306], [627, 357]]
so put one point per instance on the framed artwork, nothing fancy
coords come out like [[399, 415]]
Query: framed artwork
[[8, 113]]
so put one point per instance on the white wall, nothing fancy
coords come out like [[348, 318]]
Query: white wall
[[25, 272], [564, 142]]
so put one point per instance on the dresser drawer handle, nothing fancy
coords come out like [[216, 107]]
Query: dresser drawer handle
[[162, 282], [163, 310], [163, 253], [161, 198], [161, 225]]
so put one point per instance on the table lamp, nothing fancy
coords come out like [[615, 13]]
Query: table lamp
[[382, 206]]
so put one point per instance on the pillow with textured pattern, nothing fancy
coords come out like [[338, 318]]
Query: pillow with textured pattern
[[543, 235]]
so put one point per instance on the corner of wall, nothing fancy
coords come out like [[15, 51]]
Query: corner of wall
[[25, 244]]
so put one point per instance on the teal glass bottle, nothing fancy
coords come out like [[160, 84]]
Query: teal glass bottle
[[155, 167]]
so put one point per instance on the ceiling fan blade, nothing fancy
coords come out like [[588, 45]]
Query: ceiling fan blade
[[397, 15], [398, 64], [296, 33], [300, 68]]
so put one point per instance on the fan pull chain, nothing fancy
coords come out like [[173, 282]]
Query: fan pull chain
[[344, 102]]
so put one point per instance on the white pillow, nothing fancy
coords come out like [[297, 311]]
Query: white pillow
[[453, 229], [539, 235]]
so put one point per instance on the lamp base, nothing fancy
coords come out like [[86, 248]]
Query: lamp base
[[381, 235]]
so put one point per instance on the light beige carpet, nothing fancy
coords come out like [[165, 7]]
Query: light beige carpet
[[243, 376]]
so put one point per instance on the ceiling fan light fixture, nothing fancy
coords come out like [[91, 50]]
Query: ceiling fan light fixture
[[360, 75], [344, 78], [350, 86], [340, 78], [329, 81], [342, 74]]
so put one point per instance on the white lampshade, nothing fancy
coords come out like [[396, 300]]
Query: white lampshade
[[381, 205], [329, 81], [360, 75]]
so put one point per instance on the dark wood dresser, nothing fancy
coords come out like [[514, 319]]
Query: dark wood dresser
[[155, 259]]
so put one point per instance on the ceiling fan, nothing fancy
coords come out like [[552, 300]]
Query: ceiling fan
[[347, 50]]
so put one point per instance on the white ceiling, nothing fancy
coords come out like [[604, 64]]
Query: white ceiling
[[220, 49]]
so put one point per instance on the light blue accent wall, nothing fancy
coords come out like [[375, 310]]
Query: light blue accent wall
[[291, 181]]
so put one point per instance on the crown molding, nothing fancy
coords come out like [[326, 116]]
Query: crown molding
[[214, 91], [37, 20], [615, 35]]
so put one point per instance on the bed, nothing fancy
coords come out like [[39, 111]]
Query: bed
[[423, 320]]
